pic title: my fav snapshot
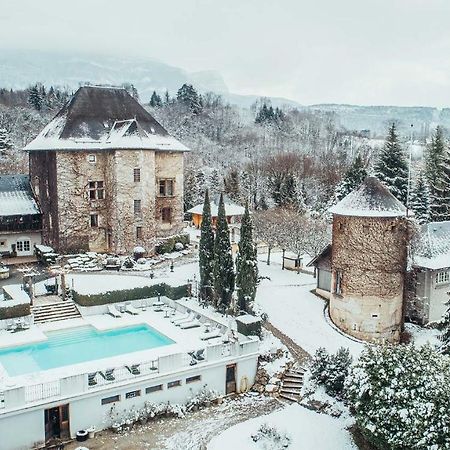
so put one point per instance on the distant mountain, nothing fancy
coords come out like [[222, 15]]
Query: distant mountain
[[21, 68]]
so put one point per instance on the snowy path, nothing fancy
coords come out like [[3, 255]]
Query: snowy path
[[287, 299]]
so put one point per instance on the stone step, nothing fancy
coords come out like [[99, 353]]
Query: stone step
[[293, 379], [289, 397], [53, 312], [291, 386], [295, 373], [290, 392]]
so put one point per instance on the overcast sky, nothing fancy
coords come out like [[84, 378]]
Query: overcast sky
[[315, 51]]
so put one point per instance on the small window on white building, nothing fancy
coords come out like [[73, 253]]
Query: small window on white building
[[443, 277], [92, 159]]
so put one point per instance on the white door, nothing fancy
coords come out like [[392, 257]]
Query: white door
[[23, 247]]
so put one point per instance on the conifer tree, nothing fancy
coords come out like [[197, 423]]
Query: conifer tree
[[155, 100], [437, 163], [246, 264], [420, 199], [223, 261], [5, 142], [352, 179], [440, 198], [445, 336], [188, 96], [206, 254], [392, 168], [34, 97]]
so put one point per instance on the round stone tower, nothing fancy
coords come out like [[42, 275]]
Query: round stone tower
[[368, 261]]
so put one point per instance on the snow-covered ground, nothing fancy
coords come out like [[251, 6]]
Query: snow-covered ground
[[306, 429], [287, 299]]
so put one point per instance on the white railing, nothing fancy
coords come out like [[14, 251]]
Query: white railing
[[42, 391]]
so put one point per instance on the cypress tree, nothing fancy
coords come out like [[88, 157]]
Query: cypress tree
[[206, 254], [223, 261], [420, 200], [246, 264], [392, 168], [352, 179]]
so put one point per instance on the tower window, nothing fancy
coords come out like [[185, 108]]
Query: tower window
[[338, 283], [138, 232], [166, 215], [96, 190], [166, 188], [94, 220], [92, 159], [137, 207], [137, 175]]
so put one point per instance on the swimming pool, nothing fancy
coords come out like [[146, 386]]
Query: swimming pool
[[77, 345]]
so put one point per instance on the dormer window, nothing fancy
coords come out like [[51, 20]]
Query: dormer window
[[92, 159]]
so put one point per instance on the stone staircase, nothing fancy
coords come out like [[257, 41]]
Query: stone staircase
[[291, 384], [52, 312]]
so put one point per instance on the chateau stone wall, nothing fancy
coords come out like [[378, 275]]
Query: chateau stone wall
[[61, 182], [169, 165], [369, 257]]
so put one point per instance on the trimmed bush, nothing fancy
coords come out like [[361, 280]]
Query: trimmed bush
[[12, 312], [168, 245], [174, 293]]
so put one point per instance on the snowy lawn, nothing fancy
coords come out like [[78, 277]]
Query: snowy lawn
[[298, 313], [306, 429]]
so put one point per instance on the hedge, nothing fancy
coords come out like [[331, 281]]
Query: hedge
[[11, 312], [175, 293], [168, 244]]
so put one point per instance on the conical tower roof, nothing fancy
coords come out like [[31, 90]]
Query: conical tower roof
[[371, 199]]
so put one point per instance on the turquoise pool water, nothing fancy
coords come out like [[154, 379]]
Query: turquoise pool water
[[77, 345]]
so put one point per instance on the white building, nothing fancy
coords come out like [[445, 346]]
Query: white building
[[431, 267], [49, 397]]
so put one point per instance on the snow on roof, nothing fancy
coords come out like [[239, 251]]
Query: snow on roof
[[248, 319], [432, 248], [231, 209], [371, 199], [16, 196], [101, 118], [17, 294]]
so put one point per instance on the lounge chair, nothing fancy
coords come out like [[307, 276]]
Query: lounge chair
[[192, 324], [193, 360], [92, 381], [130, 309], [188, 316], [212, 333], [134, 369], [144, 305], [158, 303], [11, 326], [108, 375], [112, 310], [200, 355]]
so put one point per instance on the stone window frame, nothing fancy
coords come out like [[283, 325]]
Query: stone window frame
[[92, 159], [94, 220], [137, 207], [96, 189], [166, 214], [137, 175], [163, 187], [138, 232], [442, 277]]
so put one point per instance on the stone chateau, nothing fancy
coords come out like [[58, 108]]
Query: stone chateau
[[107, 176]]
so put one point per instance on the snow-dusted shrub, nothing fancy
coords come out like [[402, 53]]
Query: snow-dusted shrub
[[400, 397], [270, 438], [202, 399], [331, 370]]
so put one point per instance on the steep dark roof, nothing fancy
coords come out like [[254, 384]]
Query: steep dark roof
[[16, 196], [371, 199], [95, 118]]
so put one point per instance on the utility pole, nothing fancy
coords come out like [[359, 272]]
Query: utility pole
[[409, 171]]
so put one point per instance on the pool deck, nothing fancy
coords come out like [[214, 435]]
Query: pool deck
[[185, 340]]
